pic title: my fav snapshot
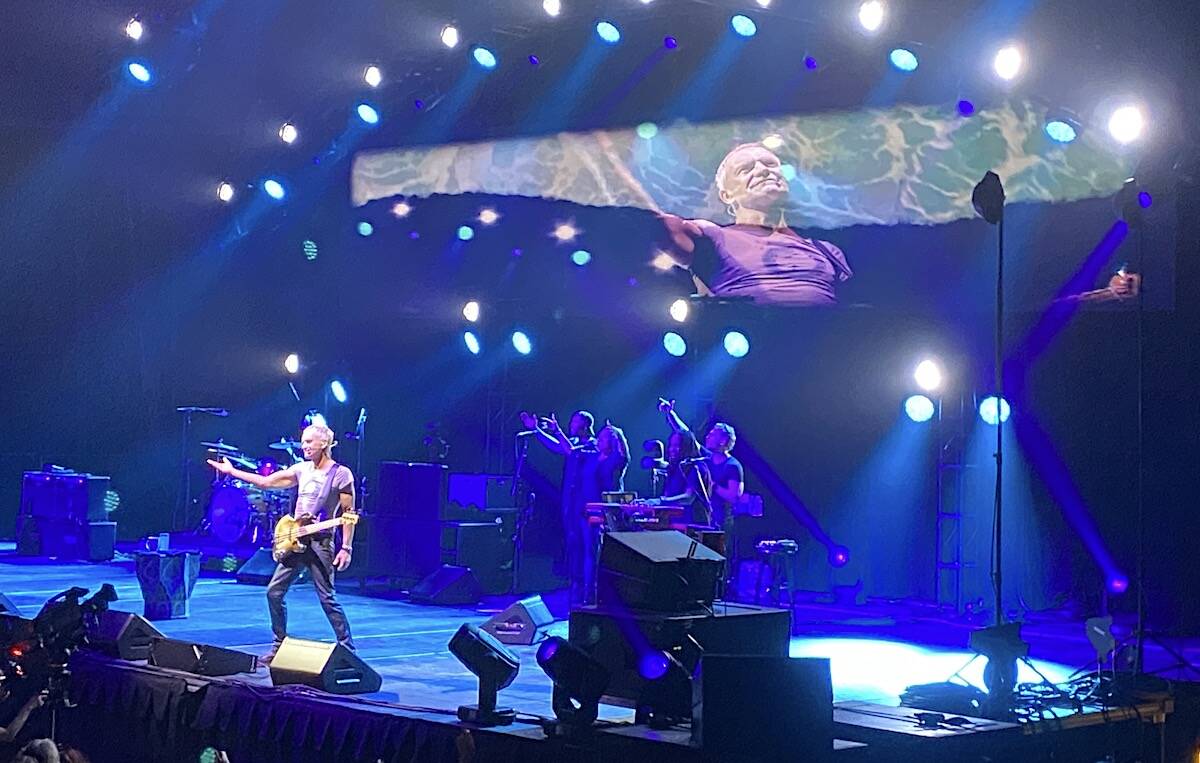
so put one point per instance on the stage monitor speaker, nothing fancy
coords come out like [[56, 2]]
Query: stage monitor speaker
[[7, 607], [484, 547], [328, 667], [201, 659], [411, 491], [521, 623], [259, 568], [123, 634], [448, 586], [662, 571], [787, 702]]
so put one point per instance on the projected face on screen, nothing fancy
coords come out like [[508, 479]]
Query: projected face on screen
[[751, 178]]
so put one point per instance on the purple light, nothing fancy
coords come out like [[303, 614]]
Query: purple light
[[517, 252], [418, 104], [1118, 584], [547, 650], [534, 60], [653, 666], [1145, 200], [414, 235], [966, 108], [839, 556], [670, 43], [632, 281], [810, 63]]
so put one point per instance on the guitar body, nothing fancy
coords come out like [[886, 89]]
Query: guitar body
[[291, 533]]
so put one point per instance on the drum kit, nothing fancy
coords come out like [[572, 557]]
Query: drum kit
[[239, 512]]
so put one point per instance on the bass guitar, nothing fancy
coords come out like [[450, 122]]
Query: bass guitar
[[291, 532]]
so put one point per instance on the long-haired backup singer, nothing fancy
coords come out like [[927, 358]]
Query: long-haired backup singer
[[326, 491]]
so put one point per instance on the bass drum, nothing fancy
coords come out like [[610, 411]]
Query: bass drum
[[229, 511]]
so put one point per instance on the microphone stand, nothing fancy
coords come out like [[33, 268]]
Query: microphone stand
[[183, 500], [521, 446]]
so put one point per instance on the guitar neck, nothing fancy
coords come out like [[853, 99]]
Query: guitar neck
[[317, 527]]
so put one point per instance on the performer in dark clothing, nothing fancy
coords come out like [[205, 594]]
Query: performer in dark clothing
[[728, 478], [686, 481]]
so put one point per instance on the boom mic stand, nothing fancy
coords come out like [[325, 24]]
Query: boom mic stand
[[183, 501]]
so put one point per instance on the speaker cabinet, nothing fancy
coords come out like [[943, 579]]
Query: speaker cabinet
[[662, 571], [328, 667], [410, 491], [201, 659], [448, 586], [521, 622], [123, 634]]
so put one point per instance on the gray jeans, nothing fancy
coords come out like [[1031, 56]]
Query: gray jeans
[[318, 558]]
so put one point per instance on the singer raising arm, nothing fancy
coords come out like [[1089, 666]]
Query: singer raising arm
[[280, 480]]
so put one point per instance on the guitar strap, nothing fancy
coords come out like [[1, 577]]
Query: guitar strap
[[325, 488]]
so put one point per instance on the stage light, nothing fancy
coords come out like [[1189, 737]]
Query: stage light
[[1145, 200], [1060, 131], [288, 133], [338, 390], [764, 3], [471, 311], [1126, 124], [274, 189], [488, 216], [465, 233], [810, 63], [743, 25], [367, 113], [773, 142], [919, 408], [662, 261], [674, 344], [472, 342], [870, 15], [965, 108], [140, 72], [484, 57], [903, 60], [552, 7], [364, 228], [134, 29], [495, 666], [987, 410], [736, 344], [565, 232], [670, 43], [1118, 583], [291, 364], [928, 375], [647, 130], [449, 36], [1008, 62], [401, 209], [373, 75], [654, 665], [534, 60], [679, 310], [225, 191], [521, 342], [310, 249], [608, 32], [581, 257], [579, 681], [839, 556]]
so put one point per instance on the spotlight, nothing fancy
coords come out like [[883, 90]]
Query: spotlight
[[743, 25], [810, 63], [870, 15], [987, 410], [291, 364], [1060, 131], [581, 257], [534, 60], [1008, 62], [310, 249], [919, 408], [903, 60], [736, 344], [401, 209], [928, 375], [338, 390], [472, 342], [670, 43], [364, 228], [488, 216], [965, 108], [465, 233], [134, 29], [552, 7], [662, 262], [225, 191], [773, 142], [1126, 124], [274, 189], [579, 681], [565, 232], [647, 130], [608, 32], [449, 36], [367, 113], [140, 72], [839, 556], [288, 133], [764, 3], [495, 666], [372, 75], [484, 57], [470, 311], [654, 665], [674, 344], [679, 310], [521, 343]]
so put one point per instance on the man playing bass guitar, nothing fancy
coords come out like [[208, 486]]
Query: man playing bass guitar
[[326, 491]]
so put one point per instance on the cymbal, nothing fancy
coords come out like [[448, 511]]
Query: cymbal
[[284, 445], [245, 463], [222, 446]]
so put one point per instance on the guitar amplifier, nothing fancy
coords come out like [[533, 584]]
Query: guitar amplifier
[[484, 548], [64, 495], [410, 490]]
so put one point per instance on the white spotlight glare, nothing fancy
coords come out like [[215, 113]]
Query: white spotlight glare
[[488, 216], [449, 36], [870, 15], [1008, 62], [1126, 124], [338, 389], [288, 133], [470, 311], [764, 3], [225, 191], [401, 209], [552, 7], [291, 364], [372, 75], [679, 310], [367, 113], [565, 232], [134, 29], [928, 375]]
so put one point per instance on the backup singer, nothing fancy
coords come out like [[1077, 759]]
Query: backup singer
[[326, 491], [686, 480], [728, 478]]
